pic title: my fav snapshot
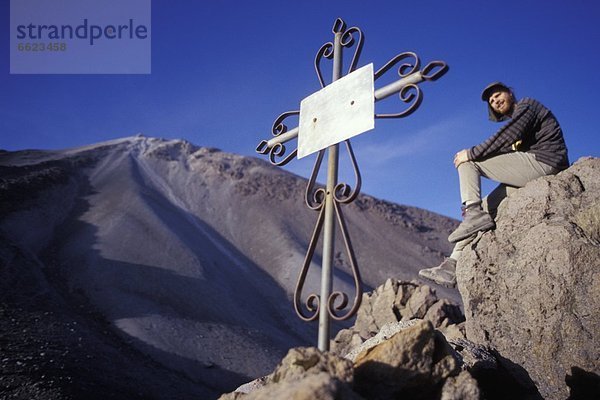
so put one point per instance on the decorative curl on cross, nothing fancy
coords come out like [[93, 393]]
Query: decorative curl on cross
[[347, 40], [407, 86], [404, 69], [312, 305], [277, 150]]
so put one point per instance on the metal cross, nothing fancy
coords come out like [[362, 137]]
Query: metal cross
[[337, 112]]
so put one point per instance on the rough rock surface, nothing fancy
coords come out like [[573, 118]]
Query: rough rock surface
[[303, 361], [461, 387], [411, 363], [384, 334], [531, 287], [304, 373], [473, 356], [396, 301], [416, 362], [320, 386]]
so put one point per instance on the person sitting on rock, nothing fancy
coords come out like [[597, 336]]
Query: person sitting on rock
[[528, 146]]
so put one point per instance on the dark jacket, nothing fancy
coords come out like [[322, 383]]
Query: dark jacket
[[537, 129]]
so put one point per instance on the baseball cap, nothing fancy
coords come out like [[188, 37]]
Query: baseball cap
[[489, 89]]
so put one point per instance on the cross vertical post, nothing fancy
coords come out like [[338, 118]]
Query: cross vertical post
[[329, 223]]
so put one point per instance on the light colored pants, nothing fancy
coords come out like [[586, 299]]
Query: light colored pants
[[512, 170]]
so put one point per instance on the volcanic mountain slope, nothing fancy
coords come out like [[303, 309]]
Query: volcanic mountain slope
[[176, 258]]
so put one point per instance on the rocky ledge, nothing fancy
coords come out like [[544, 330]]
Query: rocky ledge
[[531, 287]]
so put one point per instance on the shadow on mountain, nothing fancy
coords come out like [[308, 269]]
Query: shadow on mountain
[[56, 346]]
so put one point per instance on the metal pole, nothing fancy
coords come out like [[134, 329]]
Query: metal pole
[[329, 222]]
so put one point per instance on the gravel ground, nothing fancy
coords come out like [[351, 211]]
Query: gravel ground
[[55, 348]]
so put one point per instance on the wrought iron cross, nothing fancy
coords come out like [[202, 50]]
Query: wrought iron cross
[[334, 114]]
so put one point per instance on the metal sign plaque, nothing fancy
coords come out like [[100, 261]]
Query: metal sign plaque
[[339, 111]]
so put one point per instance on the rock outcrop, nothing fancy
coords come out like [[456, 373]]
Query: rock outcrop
[[304, 373], [395, 349], [396, 301], [531, 287], [411, 364], [416, 362]]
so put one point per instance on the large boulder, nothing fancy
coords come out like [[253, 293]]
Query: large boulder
[[413, 363], [531, 287]]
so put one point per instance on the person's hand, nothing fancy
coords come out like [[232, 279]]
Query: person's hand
[[461, 157]]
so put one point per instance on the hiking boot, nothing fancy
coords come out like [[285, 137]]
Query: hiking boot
[[475, 220], [444, 274]]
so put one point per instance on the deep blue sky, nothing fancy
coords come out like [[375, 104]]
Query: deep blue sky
[[222, 71]]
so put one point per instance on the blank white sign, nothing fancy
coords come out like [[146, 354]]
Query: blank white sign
[[339, 111]]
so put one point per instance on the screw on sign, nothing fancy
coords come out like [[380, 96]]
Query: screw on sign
[[339, 111]]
